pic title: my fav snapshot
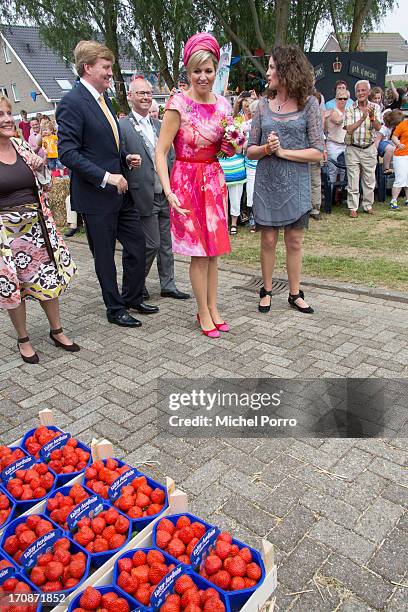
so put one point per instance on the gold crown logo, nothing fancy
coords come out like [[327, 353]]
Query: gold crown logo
[[337, 65]]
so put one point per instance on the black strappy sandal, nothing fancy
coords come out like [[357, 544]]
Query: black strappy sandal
[[292, 302], [263, 293], [34, 358], [71, 348]]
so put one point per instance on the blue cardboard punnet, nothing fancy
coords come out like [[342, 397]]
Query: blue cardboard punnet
[[237, 598], [24, 464], [3, 473], [12, 573], [109, 588], [12, 507], [166, 587], [11, 528], [58, 442], [128, 555], [125, 479], [174, 518]]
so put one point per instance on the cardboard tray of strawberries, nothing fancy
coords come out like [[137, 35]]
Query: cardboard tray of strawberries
[[15, 590]]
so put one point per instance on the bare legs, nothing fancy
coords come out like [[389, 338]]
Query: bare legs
[[18, 318], [269, 240], [51, 309], [388, 154], [293, 243], [204, 282]]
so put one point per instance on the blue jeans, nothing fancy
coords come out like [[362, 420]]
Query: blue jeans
[[54, 163]]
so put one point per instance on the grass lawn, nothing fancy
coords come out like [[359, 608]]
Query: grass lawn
[[370, 250]]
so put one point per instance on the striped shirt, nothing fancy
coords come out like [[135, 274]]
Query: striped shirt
[[234, 169], [366, 133]]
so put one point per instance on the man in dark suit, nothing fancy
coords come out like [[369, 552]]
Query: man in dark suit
[[89, 145], [139, 136]]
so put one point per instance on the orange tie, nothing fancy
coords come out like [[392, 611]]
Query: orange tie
[[108, 115]]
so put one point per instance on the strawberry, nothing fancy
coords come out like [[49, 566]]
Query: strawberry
[[128, 582], [125, 564], [154, 556], [176, 548], [98, 524], [208, 594], [214, 605], [163, 538], [116, 541], [246, 554], [186, 534], [37, 576], [77, 568], [157, 572], [121, 605], [225, 537], [122, 525], [111, 516], [183, 521], [212, 564], [169, 606], [183, 583], [142, 573], [249, 583], [253, 571], [139, 558], [107, 598], [166, 525], [222, 580], [222, 549], [237, 583], [143, 594], [236, 566], [135, 512], [90, 599], [158, 496], [54, 570], [190, 596]]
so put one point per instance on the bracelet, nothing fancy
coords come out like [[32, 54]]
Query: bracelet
[[267, 149]]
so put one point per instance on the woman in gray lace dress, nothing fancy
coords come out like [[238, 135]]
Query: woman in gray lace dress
[[286, 135]]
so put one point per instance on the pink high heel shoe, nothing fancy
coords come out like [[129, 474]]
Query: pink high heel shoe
[[222, 327], [210, 333]]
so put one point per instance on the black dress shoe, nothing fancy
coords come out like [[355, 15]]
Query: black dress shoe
[[144, 308], [124, 319], [176, 294], [71, 232]]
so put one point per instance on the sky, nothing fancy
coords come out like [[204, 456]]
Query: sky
[[397, 21]]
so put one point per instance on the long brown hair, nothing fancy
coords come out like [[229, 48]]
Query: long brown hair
[[295, 73]]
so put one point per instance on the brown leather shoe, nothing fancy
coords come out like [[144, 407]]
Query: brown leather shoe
[[353, 214]]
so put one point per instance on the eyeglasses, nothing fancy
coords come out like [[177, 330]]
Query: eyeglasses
[[144, 94], [343, 99]]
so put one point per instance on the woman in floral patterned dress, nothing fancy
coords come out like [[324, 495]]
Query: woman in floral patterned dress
[[197, 191], [34, 261]]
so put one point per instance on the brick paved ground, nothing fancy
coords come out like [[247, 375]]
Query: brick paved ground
[[342, 541]]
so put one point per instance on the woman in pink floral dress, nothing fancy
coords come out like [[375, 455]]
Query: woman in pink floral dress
[[197, 191]]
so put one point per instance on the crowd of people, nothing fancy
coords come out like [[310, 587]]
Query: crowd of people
[[163, 187]]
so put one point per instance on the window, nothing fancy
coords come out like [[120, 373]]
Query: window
[[3, 91], [15, 91], [6, 54], [64, 84], [406, 68], [389, 69]]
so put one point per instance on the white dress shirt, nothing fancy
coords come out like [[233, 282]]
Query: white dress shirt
[[146, 127], [95, 94]]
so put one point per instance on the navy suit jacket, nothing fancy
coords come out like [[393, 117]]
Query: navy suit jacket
[[87, 146]]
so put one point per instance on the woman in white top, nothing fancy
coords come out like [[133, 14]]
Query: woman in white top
[[335, 133]]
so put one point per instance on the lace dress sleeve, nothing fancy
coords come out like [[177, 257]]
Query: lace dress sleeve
[[255, 134], [314, 126]]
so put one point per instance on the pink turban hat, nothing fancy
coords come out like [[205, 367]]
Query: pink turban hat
[[201, 42]]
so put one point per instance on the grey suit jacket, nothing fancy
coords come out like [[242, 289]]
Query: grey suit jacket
[[140, 180]]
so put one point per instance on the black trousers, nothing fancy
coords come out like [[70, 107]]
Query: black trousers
[[103, 230]]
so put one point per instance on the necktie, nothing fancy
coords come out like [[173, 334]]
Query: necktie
[[108, 115]]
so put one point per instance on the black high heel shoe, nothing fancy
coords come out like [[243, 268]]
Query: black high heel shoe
[[34, 358], [71, 348], [263, 293], [292, 302]]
